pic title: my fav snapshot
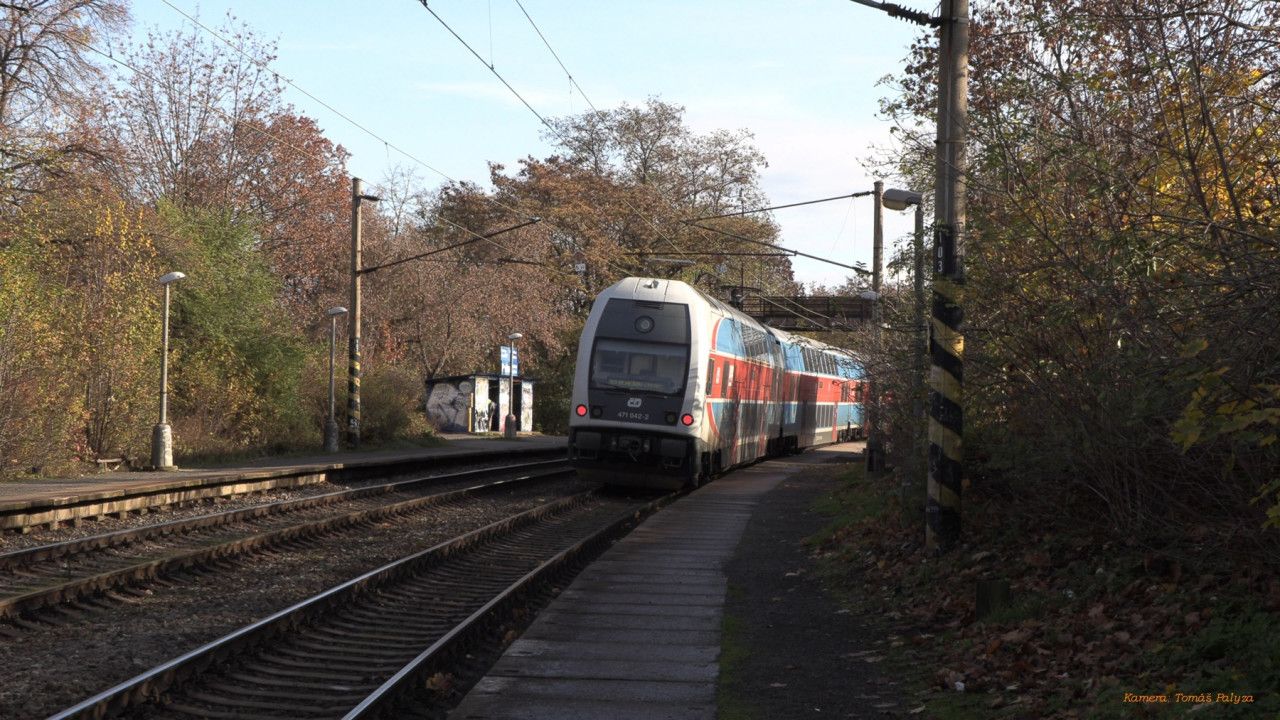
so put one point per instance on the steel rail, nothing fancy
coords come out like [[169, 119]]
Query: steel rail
[[388, 697], [151, 568], [27, 556], [152, 683], [21, 515]]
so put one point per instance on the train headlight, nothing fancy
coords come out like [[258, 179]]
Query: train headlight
[[644, 324], [687, 419], [581, 410]]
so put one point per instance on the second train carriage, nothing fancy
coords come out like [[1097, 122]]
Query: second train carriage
[[673, 386]]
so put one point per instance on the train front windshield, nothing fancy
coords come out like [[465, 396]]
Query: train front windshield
[[639, 367]]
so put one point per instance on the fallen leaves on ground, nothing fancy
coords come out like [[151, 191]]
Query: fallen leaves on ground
[[1085, 618]]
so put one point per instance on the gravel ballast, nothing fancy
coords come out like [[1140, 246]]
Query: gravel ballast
[[49, 667]]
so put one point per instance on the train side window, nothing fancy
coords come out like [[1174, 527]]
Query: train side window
[[711, 374], [728, 379]]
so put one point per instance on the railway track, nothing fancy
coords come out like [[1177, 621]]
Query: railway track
[[390, 641], [70, 571], [203, 486]]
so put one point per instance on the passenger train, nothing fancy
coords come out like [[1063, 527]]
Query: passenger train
[[673, 387]]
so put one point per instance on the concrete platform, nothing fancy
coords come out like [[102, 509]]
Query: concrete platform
[[52, 500], [18, 490], [636, 636]]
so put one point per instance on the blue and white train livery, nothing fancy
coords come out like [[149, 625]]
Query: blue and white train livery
[[673, 387]]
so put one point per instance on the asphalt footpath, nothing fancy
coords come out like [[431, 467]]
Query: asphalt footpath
[[637, 635]]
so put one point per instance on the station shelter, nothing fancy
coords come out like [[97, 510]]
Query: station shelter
[[479, 403]]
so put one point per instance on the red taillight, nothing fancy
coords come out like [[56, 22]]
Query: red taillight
[[581, 410], [687, 419]]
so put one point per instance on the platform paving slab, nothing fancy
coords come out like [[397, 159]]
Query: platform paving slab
[[636, 636]]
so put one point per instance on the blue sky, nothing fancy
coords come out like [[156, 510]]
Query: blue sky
[[801, 75]]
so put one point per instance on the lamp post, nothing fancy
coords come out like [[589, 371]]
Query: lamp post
[[875, 438], [331, 424], [896, 199], [161, 434], [874, 459], [509, 427], [353, 331]]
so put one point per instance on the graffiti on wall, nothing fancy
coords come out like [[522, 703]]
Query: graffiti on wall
[[449, 406]]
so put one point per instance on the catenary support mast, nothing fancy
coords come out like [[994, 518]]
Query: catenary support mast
[[946, 345]]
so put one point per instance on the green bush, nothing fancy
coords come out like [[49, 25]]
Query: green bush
[[236, 360], [391, 407]]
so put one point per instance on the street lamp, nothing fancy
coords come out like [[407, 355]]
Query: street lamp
[[875, 441], [509, 428], [353, 332], [330, 424], [161, 434], [875, 451], [896, 199]]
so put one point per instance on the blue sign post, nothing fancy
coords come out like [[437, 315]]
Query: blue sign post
[[509, 360]]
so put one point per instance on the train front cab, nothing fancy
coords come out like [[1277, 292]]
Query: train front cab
[[632, 422]]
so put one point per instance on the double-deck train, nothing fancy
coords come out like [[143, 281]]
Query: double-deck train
[[673, 387]]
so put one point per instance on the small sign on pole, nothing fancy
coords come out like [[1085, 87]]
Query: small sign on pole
[[509, 361]]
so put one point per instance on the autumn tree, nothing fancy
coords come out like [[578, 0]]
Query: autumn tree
[[237, 357], [80, 329], [300, 201], [1122, 223], [185, 108], [629, 177], [452, 308], [47, 75], [201, 124]]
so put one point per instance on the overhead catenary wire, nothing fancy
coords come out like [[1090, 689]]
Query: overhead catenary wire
[[436, 251], [848, 211], [489, 65], [779, 247], [660, 193], [268, 134], [643, 217], [196, 22], [386, 143], [863, 193], [556, 56], [556, 131]]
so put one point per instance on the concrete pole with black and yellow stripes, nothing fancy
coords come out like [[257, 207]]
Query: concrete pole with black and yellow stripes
[[946, 342]]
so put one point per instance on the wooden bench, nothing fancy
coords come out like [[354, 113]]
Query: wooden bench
[[109, 464]]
